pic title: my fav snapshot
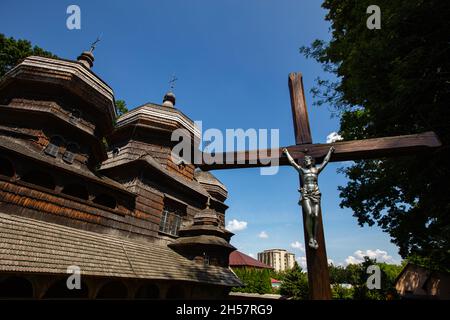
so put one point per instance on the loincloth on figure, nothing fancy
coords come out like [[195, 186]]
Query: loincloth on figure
[[311, 195]]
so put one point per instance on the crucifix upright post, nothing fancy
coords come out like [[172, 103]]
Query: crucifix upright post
[[316, 259]]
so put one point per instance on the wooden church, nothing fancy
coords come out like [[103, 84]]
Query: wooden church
[[82, 189]]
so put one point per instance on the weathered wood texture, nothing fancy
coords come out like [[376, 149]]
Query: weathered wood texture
[[299, 110], [35, 202], [345, 150], [316, 260], [136, 148]]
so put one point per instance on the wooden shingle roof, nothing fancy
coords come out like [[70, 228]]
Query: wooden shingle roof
[[28, 245]]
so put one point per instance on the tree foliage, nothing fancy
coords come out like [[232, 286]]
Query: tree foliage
[[294, 283], [255, 280], [356, 275], [393, 81], [13, 51], [121, 107]]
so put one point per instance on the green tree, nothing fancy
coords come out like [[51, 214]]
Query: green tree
[[255, 280], [356, 275], [393, 81], [340, 293], [294, 283], [337, 274], [121, 107], [13, 51]]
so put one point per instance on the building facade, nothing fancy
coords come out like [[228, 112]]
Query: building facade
[[81, 188], [279, 259]]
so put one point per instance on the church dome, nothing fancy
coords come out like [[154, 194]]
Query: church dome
[[169, 99]]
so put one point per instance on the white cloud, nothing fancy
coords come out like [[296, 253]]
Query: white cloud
[[330, 261], [251, 255], [333, 137], [263, 235], [297, 245], [236, 225], [379, 255], [302, 262]]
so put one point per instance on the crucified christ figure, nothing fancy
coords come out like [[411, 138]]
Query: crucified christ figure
[[310, 192]]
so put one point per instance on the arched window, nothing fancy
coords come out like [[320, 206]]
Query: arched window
[[70, 153], [76, 190], [106, 200], [148, 291], [59, 290], [15, 287], [175, 292], [113, 290], [52, 149], [6, 168], [39, 178]]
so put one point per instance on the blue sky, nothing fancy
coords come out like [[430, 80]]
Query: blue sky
[[232, 59]]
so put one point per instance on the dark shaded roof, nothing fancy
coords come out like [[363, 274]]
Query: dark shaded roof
[[65, 69], [15, 146], [28, 245], [208, 178], [239, 259], [147, 160], [151, 113]]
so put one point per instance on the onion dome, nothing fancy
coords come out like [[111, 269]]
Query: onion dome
[[87, 59], [169, 99]]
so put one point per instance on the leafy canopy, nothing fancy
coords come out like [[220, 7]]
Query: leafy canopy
[[393, 81], [13, 51]]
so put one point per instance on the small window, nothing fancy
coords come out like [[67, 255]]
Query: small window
[[70, 153], [52, 149], [106, 200], [172, 217], [75, 116], [115, 152], [39, 178], [76, 190], [181, 165], [6, 168]]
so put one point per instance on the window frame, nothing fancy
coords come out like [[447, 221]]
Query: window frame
[[172, 216]]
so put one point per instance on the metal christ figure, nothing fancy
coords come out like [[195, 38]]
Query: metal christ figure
[[310, 200]]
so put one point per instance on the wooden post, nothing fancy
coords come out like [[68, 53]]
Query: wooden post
[[317, 263], [299, 110], [316, 259]]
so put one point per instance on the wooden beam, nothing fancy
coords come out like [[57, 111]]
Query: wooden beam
[[345, 150], [299, 109], [317, 262]]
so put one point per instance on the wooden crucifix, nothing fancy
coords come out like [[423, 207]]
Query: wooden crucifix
[[316, 258]]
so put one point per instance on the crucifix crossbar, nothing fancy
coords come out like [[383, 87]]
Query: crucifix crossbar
[[317, 263]]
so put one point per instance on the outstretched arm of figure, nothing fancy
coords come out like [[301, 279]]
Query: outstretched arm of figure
[[291, 160], [326, 159]]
